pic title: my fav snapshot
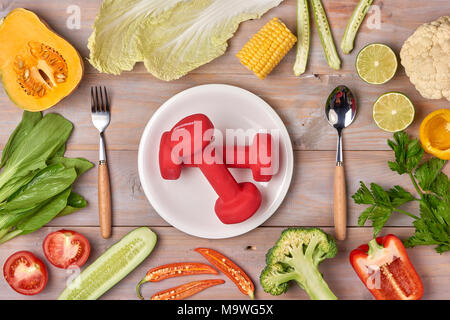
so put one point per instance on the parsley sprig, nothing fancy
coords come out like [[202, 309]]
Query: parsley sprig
[[432, 227]]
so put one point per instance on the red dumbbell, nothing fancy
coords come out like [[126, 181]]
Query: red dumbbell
[[237, 201], [170, 160], [257, 157]]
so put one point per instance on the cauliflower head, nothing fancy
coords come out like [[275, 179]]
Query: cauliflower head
[[425, 55]]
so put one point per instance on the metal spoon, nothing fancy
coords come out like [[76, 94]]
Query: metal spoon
[[340, 110]]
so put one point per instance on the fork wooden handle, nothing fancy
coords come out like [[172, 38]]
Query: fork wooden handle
[[104, 200], [340, 203]]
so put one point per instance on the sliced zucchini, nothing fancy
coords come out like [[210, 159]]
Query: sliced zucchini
[[353, 25], [112, 266], [303, 35], [323, 28]]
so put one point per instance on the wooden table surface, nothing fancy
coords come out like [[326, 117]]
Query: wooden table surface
[[299, 101]]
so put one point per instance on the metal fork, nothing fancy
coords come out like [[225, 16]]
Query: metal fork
[[101, 117]]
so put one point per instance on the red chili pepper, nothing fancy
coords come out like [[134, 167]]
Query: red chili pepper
[[174, 270], [230, 269], [186, 290], [384, 267]]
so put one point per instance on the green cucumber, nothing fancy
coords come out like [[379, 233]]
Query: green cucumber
[[112, 266], [353, 25], [303, 34], [323, 28]]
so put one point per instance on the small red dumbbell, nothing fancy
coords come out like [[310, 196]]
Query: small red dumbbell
[[257, 157], [237, 201], [171, 161]]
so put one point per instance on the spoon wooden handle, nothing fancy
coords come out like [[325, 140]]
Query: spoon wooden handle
[[104, 200], [340, 203]]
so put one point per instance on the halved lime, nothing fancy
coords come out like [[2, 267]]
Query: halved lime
[[376, 63], [393, 111]]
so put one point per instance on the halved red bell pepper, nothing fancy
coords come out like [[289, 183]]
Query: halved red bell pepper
[[384, 267]]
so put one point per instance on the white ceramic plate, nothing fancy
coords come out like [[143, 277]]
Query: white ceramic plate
[[188, 203]]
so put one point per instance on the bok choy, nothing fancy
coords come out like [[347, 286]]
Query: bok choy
[[36, 180]]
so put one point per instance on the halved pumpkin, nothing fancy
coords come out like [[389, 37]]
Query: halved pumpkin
[[38, 68]]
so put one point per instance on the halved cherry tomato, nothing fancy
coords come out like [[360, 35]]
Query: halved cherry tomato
[[174, 270], [66, 248], [230, 269], [25, 273], [186, 290]]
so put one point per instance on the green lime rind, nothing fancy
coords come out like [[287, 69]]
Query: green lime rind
[[360, 54], [353, 25], [406, 123], [112, 266], [326, 37], [303, 34]]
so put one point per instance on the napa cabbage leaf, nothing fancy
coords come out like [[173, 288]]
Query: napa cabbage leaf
[[171, 37]]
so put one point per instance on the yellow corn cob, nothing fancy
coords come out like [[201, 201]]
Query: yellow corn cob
[[267, 47]]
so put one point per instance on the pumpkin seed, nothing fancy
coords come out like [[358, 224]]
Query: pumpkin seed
[[61, 76], [26, 74], [41, 92], [20, 63], [34, 52]]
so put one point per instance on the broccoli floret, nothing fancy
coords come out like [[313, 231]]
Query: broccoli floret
[[275, 279], [296, 256]]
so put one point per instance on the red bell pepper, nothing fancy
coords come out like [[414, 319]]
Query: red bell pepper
[[384, 267]]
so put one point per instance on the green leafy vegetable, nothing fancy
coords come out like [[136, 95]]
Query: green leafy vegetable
[[11, 187], [432, 227], [9, 219], [382, 204], [36, 181], [74, 203], [60, 152], [32, 152], [45, 214], [426, 174], [48, 185], [171, 37], [79, 164], [29, 120]]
